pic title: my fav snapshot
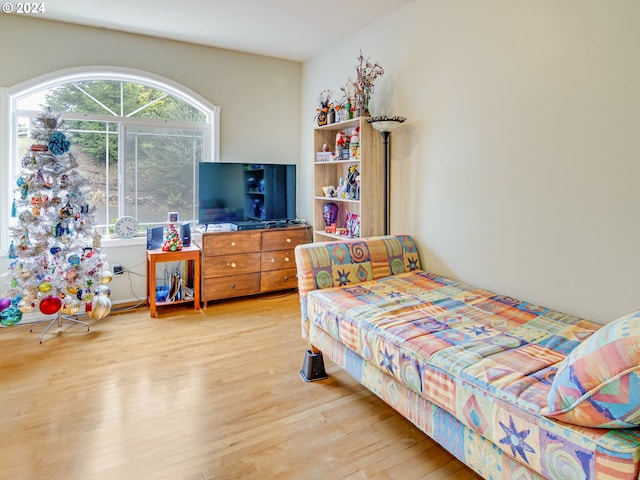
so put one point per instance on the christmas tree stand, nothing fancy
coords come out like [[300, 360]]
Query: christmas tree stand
[[58, 321]]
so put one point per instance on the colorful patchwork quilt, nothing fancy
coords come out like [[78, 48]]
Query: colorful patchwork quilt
[[487, 360]]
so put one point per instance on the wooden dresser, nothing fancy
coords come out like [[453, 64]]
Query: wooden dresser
[[249, 262]]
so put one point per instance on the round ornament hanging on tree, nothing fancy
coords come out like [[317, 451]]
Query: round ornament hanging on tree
[[50, 304], [10, 316], [58, 144], [25, 306], [106, 276], [71, 307], [30, 292], [4, 303], [85, 295], [103, 290], [100, 307]]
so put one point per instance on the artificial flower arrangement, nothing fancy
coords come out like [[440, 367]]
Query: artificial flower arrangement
[[366, 74]]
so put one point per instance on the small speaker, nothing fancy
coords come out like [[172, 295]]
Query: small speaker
[[154, 237], [185, 234]]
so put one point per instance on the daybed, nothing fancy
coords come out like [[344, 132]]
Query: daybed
[[514, 390]]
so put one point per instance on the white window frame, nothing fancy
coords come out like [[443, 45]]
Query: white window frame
[[9, 124]]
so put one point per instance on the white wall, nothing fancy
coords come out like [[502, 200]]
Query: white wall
[[259, 99], [518, 167]]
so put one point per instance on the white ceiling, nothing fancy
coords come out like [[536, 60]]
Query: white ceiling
[[290, 29]]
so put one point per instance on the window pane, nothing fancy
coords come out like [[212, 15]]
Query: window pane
[[95, 147], [160, 165], [167, 108], [100, 97]]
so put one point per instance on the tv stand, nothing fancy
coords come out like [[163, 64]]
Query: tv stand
[[249, 262]]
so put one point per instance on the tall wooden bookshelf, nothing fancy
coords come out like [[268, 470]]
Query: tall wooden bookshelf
[[370, 204]]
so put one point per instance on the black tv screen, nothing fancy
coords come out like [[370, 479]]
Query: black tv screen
[[239, 192]]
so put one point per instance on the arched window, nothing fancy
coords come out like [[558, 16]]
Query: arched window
[[138, 138]]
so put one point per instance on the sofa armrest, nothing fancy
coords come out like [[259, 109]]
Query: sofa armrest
[[348, 262]]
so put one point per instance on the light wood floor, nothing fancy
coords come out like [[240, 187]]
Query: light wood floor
[[193, 395]]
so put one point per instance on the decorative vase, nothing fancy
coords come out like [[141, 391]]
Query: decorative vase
[[362, 104]]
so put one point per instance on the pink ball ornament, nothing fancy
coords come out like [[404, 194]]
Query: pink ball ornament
[[50, 304]]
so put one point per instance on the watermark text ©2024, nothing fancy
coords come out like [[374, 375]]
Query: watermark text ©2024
[[24, 8]]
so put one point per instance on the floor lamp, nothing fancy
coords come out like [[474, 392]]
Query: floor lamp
[[385, 125]]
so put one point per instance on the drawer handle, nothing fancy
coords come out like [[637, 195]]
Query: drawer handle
[[233, 244], [286, 277], [233, 264], [233, 285], [288, 240], [286, 259], [272, 260]]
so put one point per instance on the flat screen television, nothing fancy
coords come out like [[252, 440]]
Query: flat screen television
[[240, 192]]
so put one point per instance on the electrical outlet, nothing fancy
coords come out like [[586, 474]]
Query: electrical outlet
[[118, 270]]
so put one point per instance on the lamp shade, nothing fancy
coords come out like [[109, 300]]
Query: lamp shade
[[386, 124]]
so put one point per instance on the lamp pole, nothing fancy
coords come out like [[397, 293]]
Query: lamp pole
[[385, 125], [387, 178]]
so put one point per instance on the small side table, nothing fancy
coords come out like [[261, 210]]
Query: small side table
[[187, 254]]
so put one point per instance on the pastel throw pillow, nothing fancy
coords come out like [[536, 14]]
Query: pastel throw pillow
[[598, 384]]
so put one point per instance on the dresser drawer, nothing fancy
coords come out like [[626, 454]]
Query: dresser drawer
[[284, 239], [225, 265], [279, 280], [230, 243], [233, 286], [277, 260]]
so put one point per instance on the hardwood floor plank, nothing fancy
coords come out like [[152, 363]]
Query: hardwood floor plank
[[196, 395]]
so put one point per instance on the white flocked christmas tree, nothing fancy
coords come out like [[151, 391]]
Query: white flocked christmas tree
[[56, 261]]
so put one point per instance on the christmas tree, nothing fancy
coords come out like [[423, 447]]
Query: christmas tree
[[56, 259], [172, 241]]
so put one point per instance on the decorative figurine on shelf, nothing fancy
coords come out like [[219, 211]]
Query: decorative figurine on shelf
[[353, 186], [340, 141], [341, 191], [347, 95], [330, 213], [331, 116], [352, 224], [329, 191], [354, 144], [172, 241], [324, 104]]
